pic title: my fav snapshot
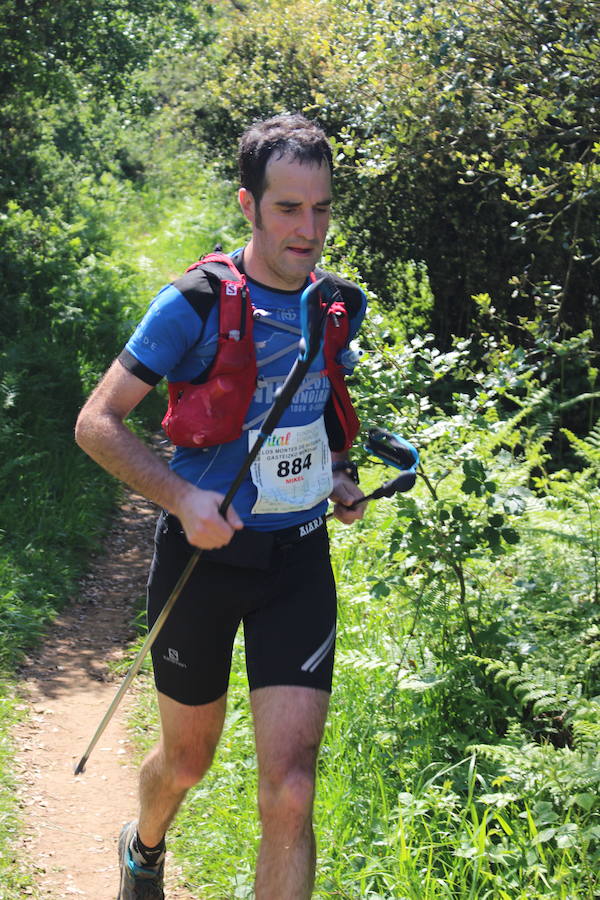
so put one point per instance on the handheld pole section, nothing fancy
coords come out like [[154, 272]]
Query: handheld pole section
[[394, 451], [313, 314], [139, 659]]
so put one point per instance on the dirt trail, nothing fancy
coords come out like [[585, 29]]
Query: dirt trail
[[72, 823]]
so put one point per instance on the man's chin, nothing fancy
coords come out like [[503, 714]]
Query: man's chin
[[301, 263]]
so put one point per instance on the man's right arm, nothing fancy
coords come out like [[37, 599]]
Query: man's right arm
[[102, 433]]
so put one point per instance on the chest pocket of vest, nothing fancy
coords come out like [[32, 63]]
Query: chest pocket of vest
[[213, 412]]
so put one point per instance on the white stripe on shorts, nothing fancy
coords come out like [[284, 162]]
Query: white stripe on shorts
[[319, 655]]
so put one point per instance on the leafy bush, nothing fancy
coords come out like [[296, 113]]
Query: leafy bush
[[461, 757], [464, 137], [461, 753]]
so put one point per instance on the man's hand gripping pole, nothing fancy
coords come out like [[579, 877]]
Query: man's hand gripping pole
[[314, 305]]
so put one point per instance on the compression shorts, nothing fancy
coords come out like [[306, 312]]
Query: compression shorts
[[287, 606]]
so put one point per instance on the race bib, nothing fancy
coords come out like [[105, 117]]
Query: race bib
[[293, 469]]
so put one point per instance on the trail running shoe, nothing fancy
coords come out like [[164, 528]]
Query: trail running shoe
[[137, 882]]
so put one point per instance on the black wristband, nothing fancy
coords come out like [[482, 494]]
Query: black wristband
[[348, 467]]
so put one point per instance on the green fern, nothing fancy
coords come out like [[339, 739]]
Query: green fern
[[588, 447], [365, 660], [544, 689], [557, 774], [586, 726], [537, 408], [556, 705]]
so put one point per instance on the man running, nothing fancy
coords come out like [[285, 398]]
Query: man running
[[267, 563]]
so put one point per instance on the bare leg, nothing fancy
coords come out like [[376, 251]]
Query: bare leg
[[289, 725], [184, 753]]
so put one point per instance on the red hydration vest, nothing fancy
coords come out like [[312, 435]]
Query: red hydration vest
[[211, 410]]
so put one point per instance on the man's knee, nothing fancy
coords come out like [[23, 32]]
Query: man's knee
[[186, 765], [286, 800], [188, 742]]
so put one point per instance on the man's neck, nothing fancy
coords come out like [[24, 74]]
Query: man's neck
[[258, 271]]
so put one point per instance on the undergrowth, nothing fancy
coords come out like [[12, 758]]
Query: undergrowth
[[15, 879], [460, 758], [437, 779]]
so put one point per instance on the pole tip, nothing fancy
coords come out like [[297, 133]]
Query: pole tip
[[80, 767]]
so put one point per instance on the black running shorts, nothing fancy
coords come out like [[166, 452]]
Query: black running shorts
[[279, 585]]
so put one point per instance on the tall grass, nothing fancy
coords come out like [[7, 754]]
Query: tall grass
[[172, 220], [15, 878], [405, 809]]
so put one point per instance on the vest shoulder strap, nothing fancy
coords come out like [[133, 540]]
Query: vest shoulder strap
[[351, 293], [201, 283], [199, 290]]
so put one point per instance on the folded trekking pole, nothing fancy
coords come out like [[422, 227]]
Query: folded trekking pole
[[393, 450], [314, 306]]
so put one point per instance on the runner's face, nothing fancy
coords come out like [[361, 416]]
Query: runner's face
[[290, 224]]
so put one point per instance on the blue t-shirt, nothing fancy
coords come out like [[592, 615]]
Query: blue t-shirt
[[172, 341]]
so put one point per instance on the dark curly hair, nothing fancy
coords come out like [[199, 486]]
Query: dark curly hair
[[285, 135]]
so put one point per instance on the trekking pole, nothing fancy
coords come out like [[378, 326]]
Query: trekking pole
[[312, 316], [394, 451]]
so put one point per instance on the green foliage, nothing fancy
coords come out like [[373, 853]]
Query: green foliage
[[43, 42], [15, 881], [467, 196], [465, 136], [445, 773], [62, 326]]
